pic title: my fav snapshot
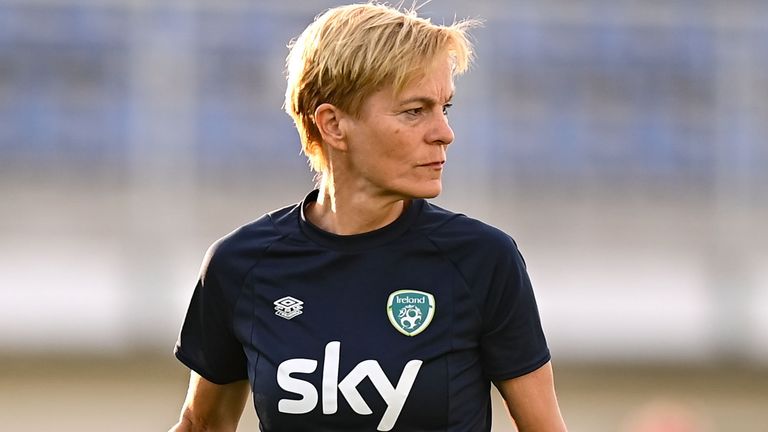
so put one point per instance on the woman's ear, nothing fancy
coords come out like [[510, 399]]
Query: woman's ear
[[329, 119]]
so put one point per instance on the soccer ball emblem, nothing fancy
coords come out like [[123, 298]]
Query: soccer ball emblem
[[409, 316]]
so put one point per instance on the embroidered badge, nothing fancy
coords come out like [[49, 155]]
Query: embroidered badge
[[288, 307], [410, 311]]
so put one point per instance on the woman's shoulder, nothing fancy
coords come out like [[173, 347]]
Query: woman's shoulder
[[250, 239], [460, 230]]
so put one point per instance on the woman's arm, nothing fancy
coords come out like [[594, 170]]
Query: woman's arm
[[531, 401], [211, 407]]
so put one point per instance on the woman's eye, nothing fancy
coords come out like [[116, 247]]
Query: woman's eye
[[414, 111]]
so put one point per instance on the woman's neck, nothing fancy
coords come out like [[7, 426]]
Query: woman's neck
[[350, 210]]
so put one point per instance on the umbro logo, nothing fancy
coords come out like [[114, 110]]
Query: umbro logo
[[288, 307]]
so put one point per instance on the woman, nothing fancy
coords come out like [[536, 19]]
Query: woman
[[365, 307]]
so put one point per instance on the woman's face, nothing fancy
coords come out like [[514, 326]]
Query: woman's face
[[397, 146]]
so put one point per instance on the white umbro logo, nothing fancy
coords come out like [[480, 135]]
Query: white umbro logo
[[288, 307]]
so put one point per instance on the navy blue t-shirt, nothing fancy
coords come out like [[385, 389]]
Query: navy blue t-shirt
[[402, 328]]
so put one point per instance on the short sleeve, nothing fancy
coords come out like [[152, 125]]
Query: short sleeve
[[207, 343], [512, 342]]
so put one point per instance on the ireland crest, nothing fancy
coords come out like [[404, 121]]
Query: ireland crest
[[410, 311]]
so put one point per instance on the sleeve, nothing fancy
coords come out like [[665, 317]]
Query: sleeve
[[207, 343], [512, 343]]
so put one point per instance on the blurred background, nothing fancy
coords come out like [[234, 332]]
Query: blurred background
[[624, 145]]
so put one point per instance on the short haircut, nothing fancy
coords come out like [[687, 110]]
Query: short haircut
[[350, 52]]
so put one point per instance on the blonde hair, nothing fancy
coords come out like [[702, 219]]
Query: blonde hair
[[349, 52]]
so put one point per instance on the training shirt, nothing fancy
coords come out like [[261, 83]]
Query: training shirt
[[402, 328]]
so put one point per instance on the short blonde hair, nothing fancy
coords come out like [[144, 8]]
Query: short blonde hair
[[349, 52]]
